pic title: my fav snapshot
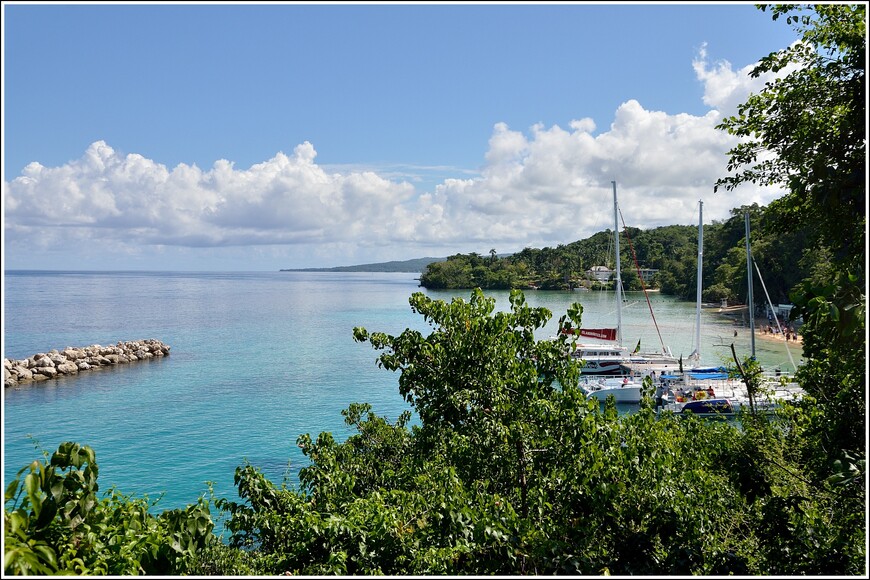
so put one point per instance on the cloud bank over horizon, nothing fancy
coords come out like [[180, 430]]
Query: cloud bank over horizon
[[546, 187]]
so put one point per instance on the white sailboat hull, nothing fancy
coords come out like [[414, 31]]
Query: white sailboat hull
[[622, 392]]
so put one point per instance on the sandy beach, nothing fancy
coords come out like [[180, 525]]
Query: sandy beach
[[733, 312], [762, 334], [794, 339]]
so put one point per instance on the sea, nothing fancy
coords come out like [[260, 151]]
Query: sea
[[257, 359]]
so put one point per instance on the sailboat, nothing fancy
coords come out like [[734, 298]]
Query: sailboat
[[664, 365], [603, 360], [705, 392]]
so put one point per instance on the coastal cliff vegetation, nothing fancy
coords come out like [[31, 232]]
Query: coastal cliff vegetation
[[509, 470]]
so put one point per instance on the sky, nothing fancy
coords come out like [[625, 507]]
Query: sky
[[240, 137]]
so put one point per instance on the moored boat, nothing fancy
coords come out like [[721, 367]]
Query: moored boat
[[728, 396], [623, 389], [607, 356]]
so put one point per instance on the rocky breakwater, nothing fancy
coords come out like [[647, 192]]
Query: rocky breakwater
[[71, 361]]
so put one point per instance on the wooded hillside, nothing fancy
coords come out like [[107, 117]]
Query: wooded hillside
[[783, 258]]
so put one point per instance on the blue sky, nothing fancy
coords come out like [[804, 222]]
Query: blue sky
[[240, 137]]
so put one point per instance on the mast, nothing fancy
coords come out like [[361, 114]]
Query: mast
[[618, 272], [749, 276], [697, 352]]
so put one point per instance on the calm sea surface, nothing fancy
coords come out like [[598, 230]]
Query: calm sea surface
[[257, 359]]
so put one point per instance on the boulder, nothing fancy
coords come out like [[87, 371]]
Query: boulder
[[72, 353], [43, 361], [50, 372], [67, 368]]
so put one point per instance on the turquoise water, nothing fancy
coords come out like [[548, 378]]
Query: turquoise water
[[257, 359]]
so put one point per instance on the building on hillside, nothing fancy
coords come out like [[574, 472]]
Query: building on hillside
[[599, 273], [605, 274], [647, 274]]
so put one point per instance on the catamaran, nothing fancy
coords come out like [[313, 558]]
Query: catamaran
[[718, 394], [607, 358], [659, 368]]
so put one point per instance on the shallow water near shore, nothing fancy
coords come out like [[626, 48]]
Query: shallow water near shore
[[257, 359]]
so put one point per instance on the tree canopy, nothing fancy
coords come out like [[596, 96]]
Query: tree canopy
[[511, 470], [806, 131], [671, 251]]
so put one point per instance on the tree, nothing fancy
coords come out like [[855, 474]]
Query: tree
[[479, 390], [452, 495], [454, 272], [806, 131]]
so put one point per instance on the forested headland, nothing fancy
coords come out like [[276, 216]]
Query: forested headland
[[784, 259], [511, 470]]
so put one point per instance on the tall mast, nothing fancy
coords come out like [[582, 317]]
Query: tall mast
[[749, 276], [697, 353], [618, 272]]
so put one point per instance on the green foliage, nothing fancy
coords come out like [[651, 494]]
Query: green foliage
[[813, 121], [54, 523], [473, 271], [455, 272], [835, 372], [513, 471], [476, 378], [806, 131], [672, 250]]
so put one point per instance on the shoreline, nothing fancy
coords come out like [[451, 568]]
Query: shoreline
[[737, 315], [776, 337], [769, 336]]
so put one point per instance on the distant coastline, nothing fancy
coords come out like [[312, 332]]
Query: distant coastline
[[417, 265]]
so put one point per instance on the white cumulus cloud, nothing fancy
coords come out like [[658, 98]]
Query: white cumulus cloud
[[286, 199], [540, 187], [725, 88]]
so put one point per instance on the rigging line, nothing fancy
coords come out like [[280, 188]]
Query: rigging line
[[642, 285], [775, 317]]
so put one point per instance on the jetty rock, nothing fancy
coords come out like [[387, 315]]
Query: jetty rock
[[71, 360]]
